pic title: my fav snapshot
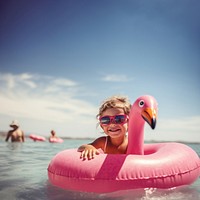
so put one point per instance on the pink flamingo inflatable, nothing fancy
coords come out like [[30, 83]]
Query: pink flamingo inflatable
[[144, 109], [160, 165]]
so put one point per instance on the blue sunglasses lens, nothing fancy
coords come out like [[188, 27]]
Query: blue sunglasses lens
[[105, 120], [118, 119]]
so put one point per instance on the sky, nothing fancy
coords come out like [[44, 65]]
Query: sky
[[60, 59]]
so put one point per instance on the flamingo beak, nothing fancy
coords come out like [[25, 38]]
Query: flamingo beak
[[150, 115]]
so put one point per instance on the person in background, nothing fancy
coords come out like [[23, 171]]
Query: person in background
[[53, 135], [16, 134], [113, 118]]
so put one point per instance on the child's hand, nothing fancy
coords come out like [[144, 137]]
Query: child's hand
[[88, 152]]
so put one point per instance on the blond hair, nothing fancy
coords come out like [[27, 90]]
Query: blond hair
[[115, 102]]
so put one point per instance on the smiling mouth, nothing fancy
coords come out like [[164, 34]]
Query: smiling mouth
[[114, 130]]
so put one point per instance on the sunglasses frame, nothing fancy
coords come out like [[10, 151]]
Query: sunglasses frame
[[113, 119]]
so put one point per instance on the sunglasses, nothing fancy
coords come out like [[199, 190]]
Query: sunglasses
[[117, 119]]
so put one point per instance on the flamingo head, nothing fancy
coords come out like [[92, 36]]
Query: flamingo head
[[147, 107]]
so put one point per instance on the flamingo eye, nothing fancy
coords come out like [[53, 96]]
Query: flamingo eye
[[141, 103]]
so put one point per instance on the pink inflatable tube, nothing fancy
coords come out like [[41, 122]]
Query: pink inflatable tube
[[37, 138], [160, 165], [55, 140]]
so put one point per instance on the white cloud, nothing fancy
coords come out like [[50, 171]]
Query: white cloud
[[42, 98], [7, 79], [64, 82], [26, 79], [115, 78], [184, 129], [60, 84], [42, 102], [11, 81]]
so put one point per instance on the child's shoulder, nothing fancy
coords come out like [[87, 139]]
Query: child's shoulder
[[99, 142], [103, 138]]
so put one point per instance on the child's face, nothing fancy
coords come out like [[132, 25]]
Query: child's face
[[114, 130]]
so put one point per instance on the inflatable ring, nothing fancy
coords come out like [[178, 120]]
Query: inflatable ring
[[55, 140], [160, 165], [37, 138]]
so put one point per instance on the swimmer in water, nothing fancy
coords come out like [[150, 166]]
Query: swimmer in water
[[53, 135], [16, 134]]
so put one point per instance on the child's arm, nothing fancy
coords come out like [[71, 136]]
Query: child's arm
[[90, 150]]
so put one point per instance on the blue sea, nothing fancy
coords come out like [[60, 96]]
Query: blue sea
[[23, 176]]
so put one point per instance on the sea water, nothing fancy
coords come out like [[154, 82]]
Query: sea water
[[23, 176]]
